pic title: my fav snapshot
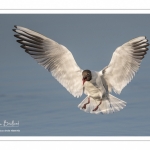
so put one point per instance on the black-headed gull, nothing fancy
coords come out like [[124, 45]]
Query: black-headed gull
[[58, 60]]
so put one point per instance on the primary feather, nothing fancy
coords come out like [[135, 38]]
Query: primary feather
[[54, 57], [125, 63]]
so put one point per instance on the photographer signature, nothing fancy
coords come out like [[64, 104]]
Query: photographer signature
[[9, 124]]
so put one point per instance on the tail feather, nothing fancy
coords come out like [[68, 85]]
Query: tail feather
[[109, 105]]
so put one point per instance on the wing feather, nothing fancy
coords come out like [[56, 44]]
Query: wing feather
[[52, 56], [125, 63]]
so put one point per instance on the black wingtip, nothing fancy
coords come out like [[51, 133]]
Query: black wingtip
[[16, 35], [15, 26], [14, 30], [23, 46], [19, 41]]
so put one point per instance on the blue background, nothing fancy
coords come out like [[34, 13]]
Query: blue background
[[30, 95]]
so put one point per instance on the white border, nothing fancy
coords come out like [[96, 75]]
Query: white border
[[74, 4], [75, 138], [75, 11]]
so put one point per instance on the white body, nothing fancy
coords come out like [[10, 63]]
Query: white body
[[97, 90]]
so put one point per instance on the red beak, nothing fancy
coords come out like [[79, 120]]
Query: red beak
[[83, 81]]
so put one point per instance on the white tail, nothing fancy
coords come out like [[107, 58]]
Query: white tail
[[110, 105]]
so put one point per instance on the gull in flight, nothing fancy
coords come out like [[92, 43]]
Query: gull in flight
[[97, 85]]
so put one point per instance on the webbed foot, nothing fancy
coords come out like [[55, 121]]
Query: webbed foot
[[84, 106], [97, 106]]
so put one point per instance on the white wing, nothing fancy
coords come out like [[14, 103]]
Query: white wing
[[54, 57], [125, 63]]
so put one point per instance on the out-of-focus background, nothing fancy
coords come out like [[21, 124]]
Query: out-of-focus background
[[30, 95]]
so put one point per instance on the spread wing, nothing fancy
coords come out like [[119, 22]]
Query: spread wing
[[125, 63], [52, 56]]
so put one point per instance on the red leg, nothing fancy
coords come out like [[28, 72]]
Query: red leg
[[97, 106], [84, 106]]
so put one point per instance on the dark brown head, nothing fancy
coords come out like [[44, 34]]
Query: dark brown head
[[87, 75]]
